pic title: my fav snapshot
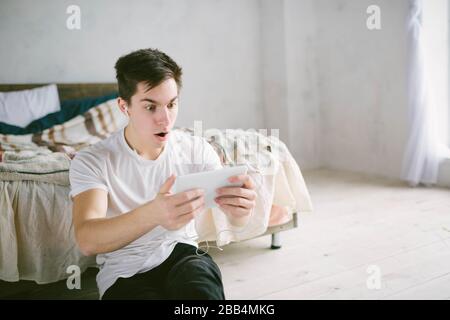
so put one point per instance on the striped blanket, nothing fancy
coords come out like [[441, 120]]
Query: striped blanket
[[45, 156], [69, 137]]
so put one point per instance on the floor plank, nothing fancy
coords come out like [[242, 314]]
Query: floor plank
[[358, 221]]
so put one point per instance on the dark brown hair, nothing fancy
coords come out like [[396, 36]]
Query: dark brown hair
[[150, 66]]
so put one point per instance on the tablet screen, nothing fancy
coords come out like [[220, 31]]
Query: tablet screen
[[209, 181]]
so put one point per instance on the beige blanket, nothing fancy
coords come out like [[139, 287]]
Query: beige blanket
[[278, 180]]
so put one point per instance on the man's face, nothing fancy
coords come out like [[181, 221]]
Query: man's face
[[154, 111]]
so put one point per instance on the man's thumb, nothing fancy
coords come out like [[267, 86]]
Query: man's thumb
[[165, 188]]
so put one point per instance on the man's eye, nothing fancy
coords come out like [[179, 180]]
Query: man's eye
[[150, 108], [171, 105]]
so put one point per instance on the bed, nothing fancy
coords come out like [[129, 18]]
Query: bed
[[37, 240]]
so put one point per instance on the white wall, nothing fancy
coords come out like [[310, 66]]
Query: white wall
[[274, 68], [342, 95], [289, 77], [303, 78], [436, 37], [311, 68], [216, 42], [362, 85]]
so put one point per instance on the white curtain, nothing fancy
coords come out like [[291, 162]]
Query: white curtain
[[425, 150]]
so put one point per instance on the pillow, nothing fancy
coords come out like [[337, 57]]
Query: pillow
[[20, 108], [69, 109]]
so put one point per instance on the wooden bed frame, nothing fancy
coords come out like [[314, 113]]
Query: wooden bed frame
[[80, 90], [68, 90]]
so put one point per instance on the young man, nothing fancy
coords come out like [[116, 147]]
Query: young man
[[123, 208]]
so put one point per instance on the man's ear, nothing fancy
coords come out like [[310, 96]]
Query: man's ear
[[122, 105]]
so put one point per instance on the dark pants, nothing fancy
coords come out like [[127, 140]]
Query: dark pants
[[183, 275]]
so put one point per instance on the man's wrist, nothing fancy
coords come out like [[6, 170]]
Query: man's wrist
[[148, 216]]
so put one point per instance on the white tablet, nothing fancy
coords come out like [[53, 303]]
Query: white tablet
[[209, 181]]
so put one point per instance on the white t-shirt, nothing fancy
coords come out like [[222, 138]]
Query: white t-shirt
[[131, 181]]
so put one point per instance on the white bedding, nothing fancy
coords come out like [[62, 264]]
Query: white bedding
[[36, 235]]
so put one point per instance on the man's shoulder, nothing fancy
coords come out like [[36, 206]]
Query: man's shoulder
[[99, 151]]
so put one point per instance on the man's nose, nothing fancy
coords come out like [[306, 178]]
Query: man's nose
[[163, 115]]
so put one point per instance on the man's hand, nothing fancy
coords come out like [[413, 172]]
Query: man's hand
[[176, 210], [237, 201]]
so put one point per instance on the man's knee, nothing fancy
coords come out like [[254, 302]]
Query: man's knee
[[195, 277]]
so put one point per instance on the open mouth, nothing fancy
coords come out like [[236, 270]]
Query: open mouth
[[162, 134]]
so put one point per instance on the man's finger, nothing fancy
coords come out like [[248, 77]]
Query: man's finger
[[236, 202], [167, 185], [191, 206], [184, 219], [186, 196], [245, 179], [237, 192]]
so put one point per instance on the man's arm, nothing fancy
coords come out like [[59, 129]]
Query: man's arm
[[95, 233]]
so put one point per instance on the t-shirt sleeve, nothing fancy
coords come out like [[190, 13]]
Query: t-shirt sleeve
[[86, 173]]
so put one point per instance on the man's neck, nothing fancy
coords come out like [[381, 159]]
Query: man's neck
[[141, 148]]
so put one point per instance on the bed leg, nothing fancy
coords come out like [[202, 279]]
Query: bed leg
[[276, 241]]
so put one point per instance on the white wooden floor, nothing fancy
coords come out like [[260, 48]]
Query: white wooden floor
[[359, 223]]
